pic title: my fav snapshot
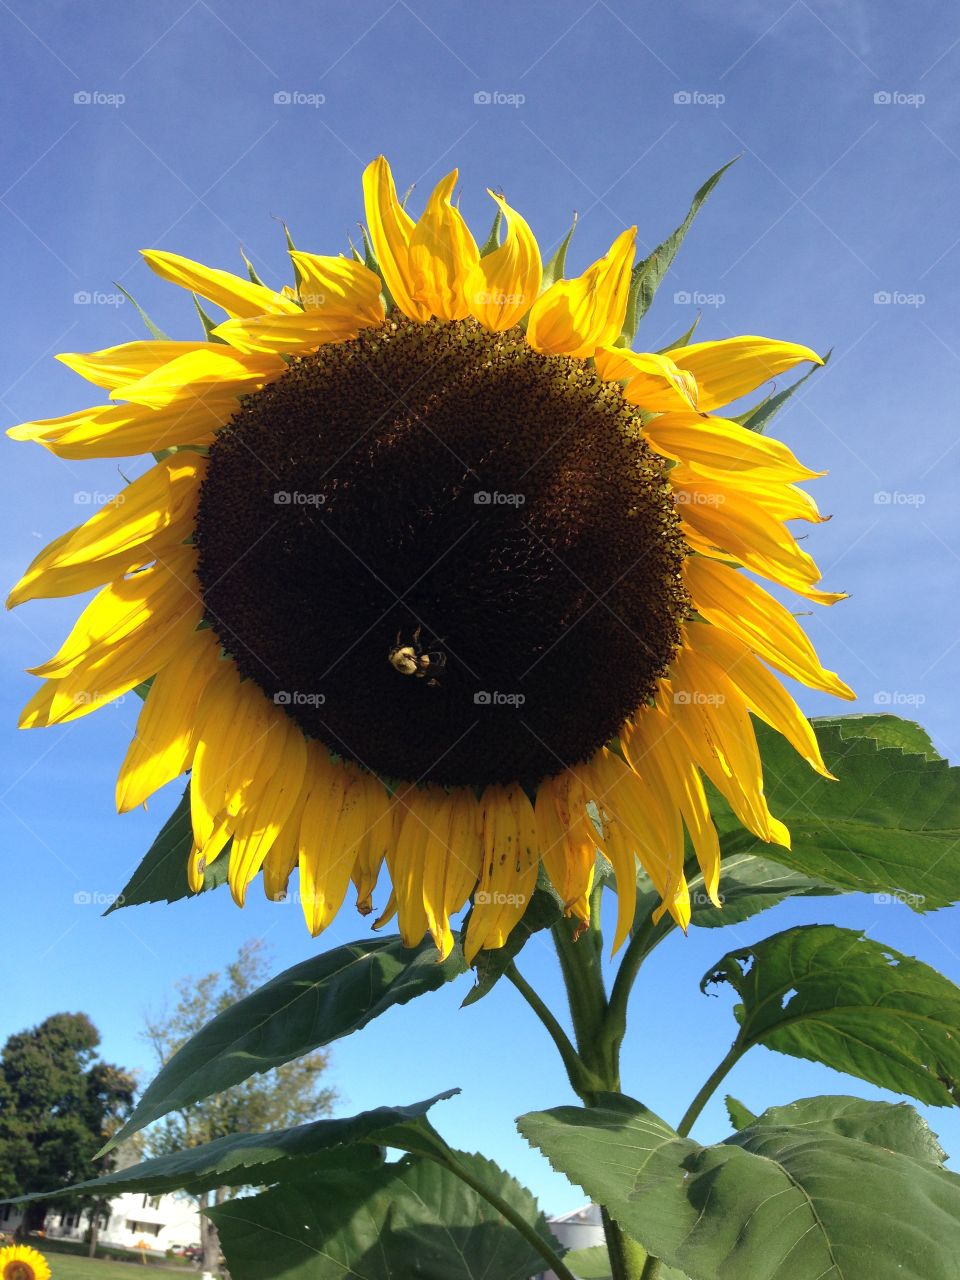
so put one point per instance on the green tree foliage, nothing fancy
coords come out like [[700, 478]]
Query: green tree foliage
[[59, 1103]]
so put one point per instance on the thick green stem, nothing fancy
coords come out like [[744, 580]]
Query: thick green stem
[[651, 1269], [627, 1258], [706, 1092], [516, 1220], [579, 951]]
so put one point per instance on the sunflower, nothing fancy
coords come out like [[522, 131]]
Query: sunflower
[[20, 1262], [432, 569]]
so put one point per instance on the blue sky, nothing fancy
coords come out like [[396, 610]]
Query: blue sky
[[845, 116]]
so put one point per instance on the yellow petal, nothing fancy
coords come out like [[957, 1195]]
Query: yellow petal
[[740, 606], [270, 804], [391, 230], [93, 684], [568, 841], [149, 599], [424, 825], [505, 283], [123, 430], [725, 520], [654, 382], [730, 368], [324, 873], [162, 747], [217, 375], [114, 366], [719, 447], [231, 727], [284, 853], [237, 296], [665, 761], [763, 693], [452, 867], [712, 717], [155, 510], [574, 317], [442, 255], [379, 839], [509, 874]]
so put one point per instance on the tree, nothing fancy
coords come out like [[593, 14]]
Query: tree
[[290, 1094], [59, 1102]]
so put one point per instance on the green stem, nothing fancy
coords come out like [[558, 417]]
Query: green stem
[[651, 1269], [516, 1220], [638, 948], [579, 952], [581, 1080], [627, 1258], [703, 1097]]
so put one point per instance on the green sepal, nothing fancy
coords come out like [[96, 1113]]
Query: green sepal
[[152, 329]]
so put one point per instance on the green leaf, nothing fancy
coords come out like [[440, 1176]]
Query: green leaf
[[740, 1117], [314, 1003], [750, 883], [251, 1159], [885, 729], [162, 875], [889, 826], [834, 996], [756, 419], [151, 328], [894, 1125], [594, 1264], [554, 269], [772, 1201], [646, 275], [543, 911], [407, 1221]]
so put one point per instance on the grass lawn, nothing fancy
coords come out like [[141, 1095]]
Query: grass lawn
[[66, 1267]]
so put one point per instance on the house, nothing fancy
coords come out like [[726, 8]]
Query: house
[[579, 1229], [130, 1221]]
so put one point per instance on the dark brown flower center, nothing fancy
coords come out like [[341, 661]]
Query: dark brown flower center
[[447, 556]]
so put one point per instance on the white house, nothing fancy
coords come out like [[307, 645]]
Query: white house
[[131, 1221], [579, 1229]]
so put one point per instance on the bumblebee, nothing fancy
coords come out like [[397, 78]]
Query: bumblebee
[[412, 660]]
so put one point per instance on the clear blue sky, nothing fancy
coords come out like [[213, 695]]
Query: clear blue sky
[[838, 197]]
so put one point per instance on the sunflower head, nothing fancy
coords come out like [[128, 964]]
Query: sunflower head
[[20, 1262], [433, 569]]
